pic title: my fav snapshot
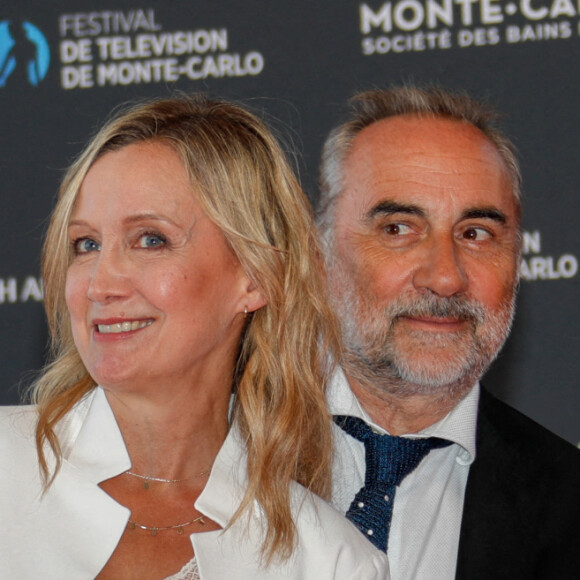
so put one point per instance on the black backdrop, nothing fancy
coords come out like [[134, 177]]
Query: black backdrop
[[64, 65]]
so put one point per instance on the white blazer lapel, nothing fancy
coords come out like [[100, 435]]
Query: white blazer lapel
[[71, 530]]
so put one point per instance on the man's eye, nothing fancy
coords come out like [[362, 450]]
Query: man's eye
[[85, 245], [396, 229], [152, 241], [476, 234]]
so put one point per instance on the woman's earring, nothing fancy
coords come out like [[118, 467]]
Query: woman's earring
[[246, 312]]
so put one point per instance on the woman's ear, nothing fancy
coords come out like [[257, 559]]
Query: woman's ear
[[254, 298]]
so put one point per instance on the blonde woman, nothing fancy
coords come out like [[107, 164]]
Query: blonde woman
[[181, 430]]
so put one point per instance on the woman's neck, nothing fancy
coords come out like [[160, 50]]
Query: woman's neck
[[173, 435]]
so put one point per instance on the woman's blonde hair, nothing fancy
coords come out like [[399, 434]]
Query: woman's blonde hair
[[246, 186]]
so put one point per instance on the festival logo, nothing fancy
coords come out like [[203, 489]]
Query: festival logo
[[24, 54], [120, 48], [422, 25]]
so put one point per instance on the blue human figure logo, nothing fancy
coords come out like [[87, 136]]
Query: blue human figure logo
[[23, 49]]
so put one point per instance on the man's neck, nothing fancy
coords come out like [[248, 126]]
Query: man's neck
[[402, 414]]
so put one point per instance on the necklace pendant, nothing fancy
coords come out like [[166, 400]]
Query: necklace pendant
[[145, 484], [180, 530], [132, 525], [154, 531]]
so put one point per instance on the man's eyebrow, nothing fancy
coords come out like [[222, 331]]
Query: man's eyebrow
[[388, 207], [490, 213]]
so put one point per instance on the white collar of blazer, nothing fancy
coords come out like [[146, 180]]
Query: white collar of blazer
[[71, 530]]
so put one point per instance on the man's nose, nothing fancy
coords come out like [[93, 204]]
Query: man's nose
[[441, 271]]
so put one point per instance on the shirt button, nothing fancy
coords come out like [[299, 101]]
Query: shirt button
[[360, 504], [370, 532], [387, 498]]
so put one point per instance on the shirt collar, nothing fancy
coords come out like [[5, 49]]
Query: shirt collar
[[458, 426]]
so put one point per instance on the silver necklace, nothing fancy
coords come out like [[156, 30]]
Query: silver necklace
[[147, 478], [132, 525]]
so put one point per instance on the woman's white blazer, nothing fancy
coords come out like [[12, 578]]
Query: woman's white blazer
[[70, 531]]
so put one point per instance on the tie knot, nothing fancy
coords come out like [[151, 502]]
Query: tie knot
[[388, 458]]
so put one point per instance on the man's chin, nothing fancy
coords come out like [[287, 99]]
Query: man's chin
[[434, 378], [429, 368], [432, 382], [431, 375], [438, 362]]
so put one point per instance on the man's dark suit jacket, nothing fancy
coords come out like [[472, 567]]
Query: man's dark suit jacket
[[521, 516]]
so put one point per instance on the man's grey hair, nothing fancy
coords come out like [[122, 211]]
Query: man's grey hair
[[372, 106]]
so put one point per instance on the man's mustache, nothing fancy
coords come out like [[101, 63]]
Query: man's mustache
[[432, 306]]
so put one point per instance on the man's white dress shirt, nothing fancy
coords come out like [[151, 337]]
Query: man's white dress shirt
[[428, 504]]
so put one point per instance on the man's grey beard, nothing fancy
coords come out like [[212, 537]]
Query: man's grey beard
[[445, 364]]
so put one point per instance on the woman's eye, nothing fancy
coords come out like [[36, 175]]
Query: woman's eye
[[85, 245], [152, 241]]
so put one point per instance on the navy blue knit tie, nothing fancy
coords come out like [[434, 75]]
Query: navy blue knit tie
[[389, 460]]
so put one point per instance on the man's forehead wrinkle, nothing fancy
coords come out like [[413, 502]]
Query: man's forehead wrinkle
[[409, 136], [393, 177], [414, 175], [438, 161], [380, 164]]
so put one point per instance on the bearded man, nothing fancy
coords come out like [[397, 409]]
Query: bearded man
[[420, 217]]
